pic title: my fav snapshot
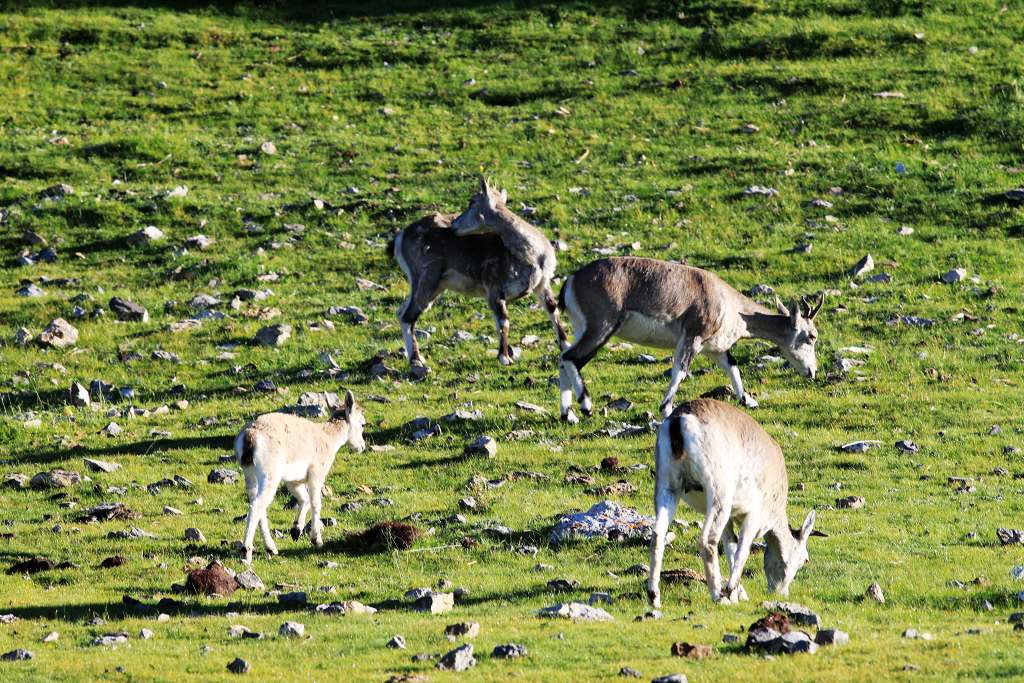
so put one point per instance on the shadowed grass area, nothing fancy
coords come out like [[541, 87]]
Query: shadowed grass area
[[622, 126]]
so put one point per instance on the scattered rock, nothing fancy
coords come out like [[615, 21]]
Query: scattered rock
[[606, 519], [238, 666], [907, 446], [273, 335], [831, 636], [128, 311], [954, 276], [347, 607], [435, 603], [761, 190], [194, 535], [691, 651], [577, 611], [238, 631], [222, 476], [1005, 536], [291, 629], [464, 629], [59, 334], [875, 593], [797, 614], [293, 599], [113, 561], [671, 678], [389, 535], [55, 479], [482, 445], [148, 234], [106, 512], [850, 503], [459, 659], [865, 265], [18, 655], [249, 580], [509, 651]]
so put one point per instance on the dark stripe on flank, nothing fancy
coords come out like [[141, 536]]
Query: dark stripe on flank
[[248, 449], [675, 435]]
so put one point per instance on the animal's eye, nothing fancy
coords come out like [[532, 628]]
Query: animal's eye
[[812, 338]]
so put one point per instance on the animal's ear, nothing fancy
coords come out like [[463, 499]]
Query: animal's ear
[[808, 526], [816, 307], [504, 196], [350, 401], [781, 307], [483, 184], [795, 311]]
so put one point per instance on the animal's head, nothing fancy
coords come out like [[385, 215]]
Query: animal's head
[[352, 412], [484, 205], [801, 335], [784, 557]]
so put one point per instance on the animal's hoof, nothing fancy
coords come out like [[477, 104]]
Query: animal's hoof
[[318, 543], [418, 371], [654, 599], [741, 593], [272, 551], [505, 360], [666, 410], [296, 532], [571, 418], [749, 401], [724, 599]]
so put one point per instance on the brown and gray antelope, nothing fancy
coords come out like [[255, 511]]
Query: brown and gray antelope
[[721, 462], [673, 306], [487, 251], [277, 447]]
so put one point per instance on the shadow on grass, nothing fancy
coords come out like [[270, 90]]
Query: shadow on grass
[[215, 442]]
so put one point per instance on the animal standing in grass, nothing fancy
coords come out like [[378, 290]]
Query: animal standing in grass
[[487, 251], [276, 447], [722, 463], [673, 306]]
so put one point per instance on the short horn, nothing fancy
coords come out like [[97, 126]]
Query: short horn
[[781, 307], [817, 307]]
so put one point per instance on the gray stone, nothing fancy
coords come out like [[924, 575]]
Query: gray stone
[[128, 311], [148, 234], [464, 629], [146, 634], [865, 265], [459, 659], [850, 503], [22, 336], [101, 465], [110, 640], [435, 603], [274, 335], [397, 642], [953, 276], [795, 642], [15, 481], [509, 651], [60, 334], [222, 476], [238, 666], [249, 580], [292, 629], [239, 631], [18, 655], [200, 242], [78, 395], [54, 479], [295, 598], [1010, 536], [577, 611], [30, 291], [195, 535], [112, 429], [606, 519], [482, 445], [874, 592], [671, 678]]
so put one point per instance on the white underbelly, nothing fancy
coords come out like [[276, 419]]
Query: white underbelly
[[463, 285], [295, 471], [641, 329], [696, 500]]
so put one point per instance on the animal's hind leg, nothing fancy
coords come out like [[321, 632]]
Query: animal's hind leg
[[549, 304], [715, 521], [729, 547], [301, 493], [252, 520], [501, 321], [686, 348], [571, 363], [421, 297], [734, 590]]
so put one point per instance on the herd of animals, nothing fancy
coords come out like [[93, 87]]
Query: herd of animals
[[712, 455]]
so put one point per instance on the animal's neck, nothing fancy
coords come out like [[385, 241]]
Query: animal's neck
[[337, 430], [763, 324], [779, 539], [519, 237]]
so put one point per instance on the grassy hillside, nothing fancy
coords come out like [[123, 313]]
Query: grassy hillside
[[620, 127]]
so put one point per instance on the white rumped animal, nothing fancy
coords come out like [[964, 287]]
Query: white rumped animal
[[673, 306], [721, 462], [487, 251], [277, 447]]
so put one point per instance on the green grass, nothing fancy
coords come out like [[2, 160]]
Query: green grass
[[151, 96]]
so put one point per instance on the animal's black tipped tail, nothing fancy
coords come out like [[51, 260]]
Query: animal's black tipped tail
[[248, 449], [561, 295]]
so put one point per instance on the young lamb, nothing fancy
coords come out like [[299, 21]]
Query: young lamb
[[276, 447]]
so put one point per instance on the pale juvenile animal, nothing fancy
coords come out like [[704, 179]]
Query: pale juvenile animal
[[487, 251], [276, 448], [721, 462], [673, 306]]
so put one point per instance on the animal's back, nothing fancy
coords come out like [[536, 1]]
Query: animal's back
[[276, 431], [738, 446], [431, 243]]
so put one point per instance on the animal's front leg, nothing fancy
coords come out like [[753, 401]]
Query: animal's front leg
[[686, 348], [665, 502], [748, 531], [731, 368]]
